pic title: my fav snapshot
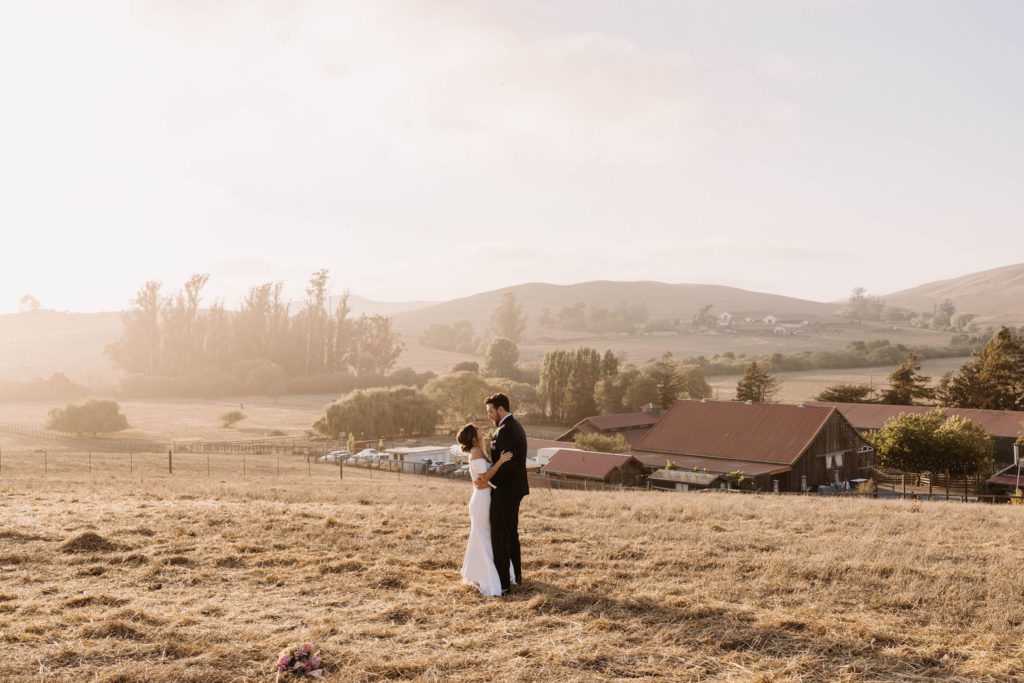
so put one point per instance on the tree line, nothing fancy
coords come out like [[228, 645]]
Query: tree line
[[174, 336]]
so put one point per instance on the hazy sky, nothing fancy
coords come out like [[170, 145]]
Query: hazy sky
[[428, 150]]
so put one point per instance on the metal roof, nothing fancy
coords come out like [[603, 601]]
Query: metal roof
[[748, 432], [587, 463], [620, 422], [623, 421], [686, 477], [1008, 476], [1004, 423], [718, 465]]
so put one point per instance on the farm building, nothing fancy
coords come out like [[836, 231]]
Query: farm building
[[609, 468], [422, 454], [684, 480], [1008, 480], [632, 426], [797, 445], [1003, 426]]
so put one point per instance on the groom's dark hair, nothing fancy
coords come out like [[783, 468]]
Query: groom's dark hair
[[499, 401]]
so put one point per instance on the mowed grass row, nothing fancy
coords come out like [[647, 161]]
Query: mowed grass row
[[195, 579]]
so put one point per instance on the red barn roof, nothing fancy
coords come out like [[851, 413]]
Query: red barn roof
[[1008, 476], [758, 432], [627, 423], [1003, 423], [587, 464]]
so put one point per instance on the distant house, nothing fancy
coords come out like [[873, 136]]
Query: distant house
[[798, 446], [1002, 425], [632, 426], [609, 468], [725, 318], [769, 319], [779, 329]]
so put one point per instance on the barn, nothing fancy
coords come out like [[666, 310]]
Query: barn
[[610, 468], [632, 426], [1003, 426], [798, 446]]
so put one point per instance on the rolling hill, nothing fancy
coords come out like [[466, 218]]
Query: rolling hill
[[995, 295], [663, 301]]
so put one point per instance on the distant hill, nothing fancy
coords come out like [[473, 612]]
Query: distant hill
[[663, 301], [995, 295], [359, 306]]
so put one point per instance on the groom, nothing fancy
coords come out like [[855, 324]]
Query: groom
[[510, 485]]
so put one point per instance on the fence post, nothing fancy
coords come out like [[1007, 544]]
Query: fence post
[[341, 474], [243, 464], [279, 464], [170, 463]]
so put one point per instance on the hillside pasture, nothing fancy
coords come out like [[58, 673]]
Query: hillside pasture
[[640, 349], [805, 385], [178, 578]]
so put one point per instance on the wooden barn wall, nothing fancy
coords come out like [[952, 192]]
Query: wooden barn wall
[[835, 435]]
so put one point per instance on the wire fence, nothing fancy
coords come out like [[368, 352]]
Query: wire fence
[[287, 465], [44, 462]]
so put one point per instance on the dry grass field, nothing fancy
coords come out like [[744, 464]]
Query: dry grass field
[[168, 419], [113, 577], [805, 385]]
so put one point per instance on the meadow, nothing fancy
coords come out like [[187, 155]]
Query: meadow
[[184, 577], [806, 384]]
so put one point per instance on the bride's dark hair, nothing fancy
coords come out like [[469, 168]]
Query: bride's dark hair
[[465, 437]]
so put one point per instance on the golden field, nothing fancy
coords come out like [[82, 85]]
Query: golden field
[[112, 577], [806, 384]]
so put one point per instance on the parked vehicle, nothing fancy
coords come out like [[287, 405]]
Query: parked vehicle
[[335, 456]]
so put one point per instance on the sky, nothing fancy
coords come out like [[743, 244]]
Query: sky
[[427, 151]]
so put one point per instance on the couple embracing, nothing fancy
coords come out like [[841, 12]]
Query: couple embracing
[[492, 562]]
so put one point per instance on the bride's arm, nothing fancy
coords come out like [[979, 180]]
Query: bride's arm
[[505, 457]]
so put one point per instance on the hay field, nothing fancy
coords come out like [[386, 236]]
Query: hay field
[[188, 578]]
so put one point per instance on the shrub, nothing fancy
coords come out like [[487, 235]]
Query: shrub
[[88, 416], [231, 417]]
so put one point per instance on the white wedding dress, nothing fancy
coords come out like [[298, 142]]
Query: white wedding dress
[[478, 564]]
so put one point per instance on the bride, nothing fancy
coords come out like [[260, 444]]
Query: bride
[[478, 564]]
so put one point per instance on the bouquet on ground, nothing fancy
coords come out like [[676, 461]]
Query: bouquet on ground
[[300, 659]]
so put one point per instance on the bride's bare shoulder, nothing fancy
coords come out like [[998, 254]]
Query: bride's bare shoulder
[[476, 453]]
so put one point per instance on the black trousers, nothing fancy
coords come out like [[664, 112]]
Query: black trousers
[[505, 538]]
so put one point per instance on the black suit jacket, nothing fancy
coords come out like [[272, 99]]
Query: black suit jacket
[[510, 479]]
